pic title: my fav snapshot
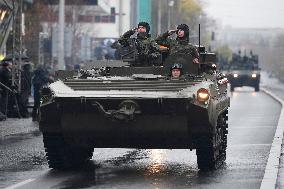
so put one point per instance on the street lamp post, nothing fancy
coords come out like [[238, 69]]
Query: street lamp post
[[61, 24], [170, 6], [159, 16]]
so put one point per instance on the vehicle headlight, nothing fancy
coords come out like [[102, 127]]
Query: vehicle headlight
[[236, 75], [202, 95], [253, 75]]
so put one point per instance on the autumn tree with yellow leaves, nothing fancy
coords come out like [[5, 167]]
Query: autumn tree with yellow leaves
[[189, 12]]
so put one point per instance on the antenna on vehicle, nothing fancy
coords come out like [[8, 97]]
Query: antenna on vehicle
[[199, 35], [200, 49]]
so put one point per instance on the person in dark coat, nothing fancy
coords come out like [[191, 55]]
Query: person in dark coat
[[26, 83], [6, 86], [40, 79]]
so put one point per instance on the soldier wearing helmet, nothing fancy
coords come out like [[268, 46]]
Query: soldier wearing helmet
[[180, 44], [148, 49], [176, 70]]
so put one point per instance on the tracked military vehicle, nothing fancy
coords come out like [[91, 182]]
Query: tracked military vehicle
[[244, 71], [137, 107]]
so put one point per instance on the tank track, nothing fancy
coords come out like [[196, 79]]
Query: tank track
[[63, 156], [211, 149]]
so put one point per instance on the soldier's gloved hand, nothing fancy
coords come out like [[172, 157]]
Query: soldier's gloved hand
[[129, 33], [134, 30], [171, 32], [195, 61], [114, 45], [154, 56]]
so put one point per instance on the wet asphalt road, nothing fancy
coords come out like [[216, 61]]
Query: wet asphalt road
[[252, 121]]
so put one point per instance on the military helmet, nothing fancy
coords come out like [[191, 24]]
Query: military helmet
[[176, 66], [146, 25], [185, 28]]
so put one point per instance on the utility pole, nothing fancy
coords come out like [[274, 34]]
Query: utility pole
[[159, 17], [120, 19], [14, 44], [21, 45], [168, 14], [61, 24], [133, 13], [170, 4]]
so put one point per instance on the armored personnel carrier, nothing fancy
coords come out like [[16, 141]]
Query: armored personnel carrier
[[244, 71], [137, 107]]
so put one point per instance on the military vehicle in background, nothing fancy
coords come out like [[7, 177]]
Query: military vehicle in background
[[137, 107], [242, 71]]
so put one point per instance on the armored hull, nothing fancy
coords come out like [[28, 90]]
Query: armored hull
[[123, 112], [136, 107], [240, 78], [242, 71]]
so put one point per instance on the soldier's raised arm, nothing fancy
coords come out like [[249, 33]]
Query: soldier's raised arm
[[123, 40], [163, 38], [194, 53]]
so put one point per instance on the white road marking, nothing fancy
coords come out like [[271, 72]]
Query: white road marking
[[272, 167], [249, 145], [20, 184]]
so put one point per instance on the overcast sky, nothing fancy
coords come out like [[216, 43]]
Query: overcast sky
[[247, 13]]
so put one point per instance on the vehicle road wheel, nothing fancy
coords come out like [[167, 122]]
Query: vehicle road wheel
[[256, 88], [63, 156], [211, 149], [232, 88]]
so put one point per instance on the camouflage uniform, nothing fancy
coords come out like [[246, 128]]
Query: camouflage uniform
[[147, 49], [177, 45]]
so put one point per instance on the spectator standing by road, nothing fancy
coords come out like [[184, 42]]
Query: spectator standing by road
[[26, 82], [6, 85], [41, 77]]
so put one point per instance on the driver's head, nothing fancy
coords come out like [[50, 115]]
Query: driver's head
[[176, 70], [183, 31], [143, 27]]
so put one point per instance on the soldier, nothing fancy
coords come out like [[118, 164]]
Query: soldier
[[147, 48], [180, 44], [26, 83], [176, 70], [41, 77], [6, 81]]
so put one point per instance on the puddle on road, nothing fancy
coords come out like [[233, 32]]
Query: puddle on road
[[19, 137]]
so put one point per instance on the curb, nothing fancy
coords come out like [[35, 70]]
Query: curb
[[272, 167]]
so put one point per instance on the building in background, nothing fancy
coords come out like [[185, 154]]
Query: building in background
[[87, 24], [8, 9], [144, 11], [140, 10]]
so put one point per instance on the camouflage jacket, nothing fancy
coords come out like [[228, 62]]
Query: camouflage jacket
[[177, 45], [147, 48]]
